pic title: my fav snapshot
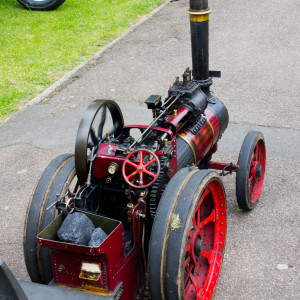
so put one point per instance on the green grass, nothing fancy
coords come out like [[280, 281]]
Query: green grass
[[37, 48]]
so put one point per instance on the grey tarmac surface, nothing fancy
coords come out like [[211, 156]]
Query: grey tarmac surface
[[256, 46]]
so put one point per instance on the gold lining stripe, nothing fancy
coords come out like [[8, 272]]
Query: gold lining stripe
[[189, 143], [199, 18], [213, 131]]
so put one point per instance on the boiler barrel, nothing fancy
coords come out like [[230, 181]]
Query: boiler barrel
[[193, 143]]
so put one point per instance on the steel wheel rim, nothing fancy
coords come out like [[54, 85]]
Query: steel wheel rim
[[257, 171], [205, 243]]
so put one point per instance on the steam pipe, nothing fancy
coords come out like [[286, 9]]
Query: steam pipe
[[199, 15]]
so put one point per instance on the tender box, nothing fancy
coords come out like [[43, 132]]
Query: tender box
[[82, 266]]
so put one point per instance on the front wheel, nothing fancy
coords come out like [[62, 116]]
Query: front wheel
[[188, 237], [41, 4], [251, 170]]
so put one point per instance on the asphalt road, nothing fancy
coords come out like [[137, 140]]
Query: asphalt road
[[256, 46]]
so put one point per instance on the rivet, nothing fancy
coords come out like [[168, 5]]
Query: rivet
[[61, 268]]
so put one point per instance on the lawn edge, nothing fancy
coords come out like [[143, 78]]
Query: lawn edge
[[60, 83]]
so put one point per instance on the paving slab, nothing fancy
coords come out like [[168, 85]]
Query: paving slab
[[256, 46]]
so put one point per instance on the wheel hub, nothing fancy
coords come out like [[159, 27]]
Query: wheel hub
[[198, 246], [258, 171]]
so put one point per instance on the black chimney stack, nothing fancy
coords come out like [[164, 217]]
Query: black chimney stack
[[199, 15]]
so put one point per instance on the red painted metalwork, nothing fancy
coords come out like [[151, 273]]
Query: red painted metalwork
[[206, 137], [178, 120], [138, 169], [257, 171], [214, 148], [105, 156], [221, 166], [205, 245], [110, 255]]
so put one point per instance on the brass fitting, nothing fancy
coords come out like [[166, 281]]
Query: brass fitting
[[130, 205], [199, 16], [166, 143]]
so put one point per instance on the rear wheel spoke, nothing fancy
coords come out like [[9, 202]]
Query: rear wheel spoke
[[205, 193], [210, 218], [187, 261], [189, 274], [195, 222], [194, 280], [207, 255]]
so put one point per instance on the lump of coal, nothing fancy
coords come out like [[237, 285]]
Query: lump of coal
[[77, 229], [98, 236]]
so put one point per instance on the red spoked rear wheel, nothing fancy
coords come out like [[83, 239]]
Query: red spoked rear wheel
[[251, 170], [141, 168], [188, 237], [205, 244]]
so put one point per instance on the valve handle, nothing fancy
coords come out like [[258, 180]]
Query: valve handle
[[136, 168]]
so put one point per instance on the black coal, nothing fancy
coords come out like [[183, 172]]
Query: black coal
[[98, 236], [77, 228]]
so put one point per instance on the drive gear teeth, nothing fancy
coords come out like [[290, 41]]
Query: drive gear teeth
[[158, 187]]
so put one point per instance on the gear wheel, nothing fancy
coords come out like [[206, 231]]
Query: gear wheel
[[158, 187]]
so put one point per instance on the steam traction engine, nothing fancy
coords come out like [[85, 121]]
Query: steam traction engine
[[163, 210]]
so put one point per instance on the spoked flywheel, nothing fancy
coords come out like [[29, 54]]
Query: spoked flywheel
[[100, 117], [188, 237], [251, 170]]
